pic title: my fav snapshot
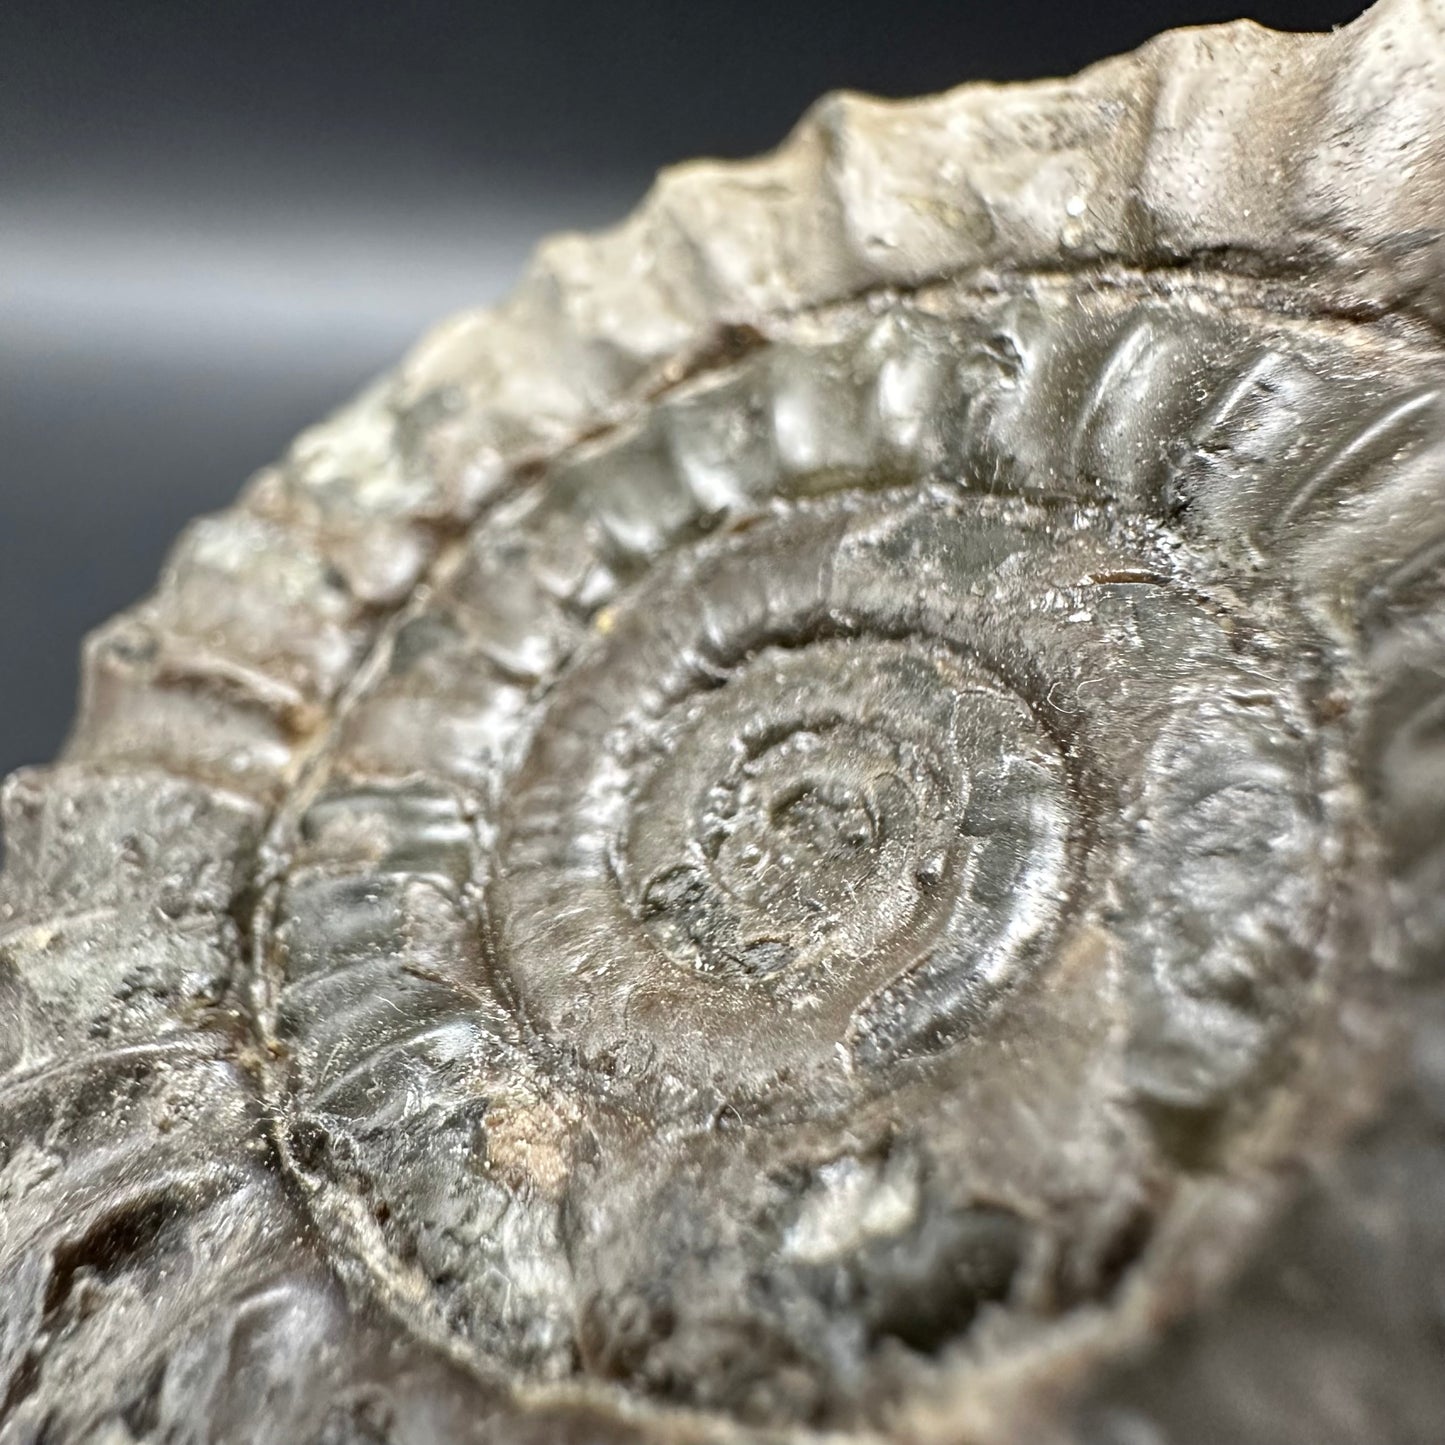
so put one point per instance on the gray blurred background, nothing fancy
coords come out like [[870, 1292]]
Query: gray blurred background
[[217, 218]]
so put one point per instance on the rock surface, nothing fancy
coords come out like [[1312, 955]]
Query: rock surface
[[830, 825]]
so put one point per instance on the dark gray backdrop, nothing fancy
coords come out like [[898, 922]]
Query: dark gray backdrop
[[218, 218]]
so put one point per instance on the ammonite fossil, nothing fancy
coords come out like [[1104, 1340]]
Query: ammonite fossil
[[829, 825]]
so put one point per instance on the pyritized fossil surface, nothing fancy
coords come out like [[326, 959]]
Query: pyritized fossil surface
[[830, 825]]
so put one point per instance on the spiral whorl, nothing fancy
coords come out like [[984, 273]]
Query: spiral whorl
[[769, 763], [829, 820]]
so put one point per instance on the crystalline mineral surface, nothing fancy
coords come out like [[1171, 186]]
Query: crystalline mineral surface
[[830, 824]]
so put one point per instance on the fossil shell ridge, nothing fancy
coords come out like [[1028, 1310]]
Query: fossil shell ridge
[[826, 825]]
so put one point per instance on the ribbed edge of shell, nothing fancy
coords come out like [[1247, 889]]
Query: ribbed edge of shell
[[1314, 159]]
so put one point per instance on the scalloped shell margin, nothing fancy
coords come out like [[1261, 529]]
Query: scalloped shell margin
[[1232, 149]]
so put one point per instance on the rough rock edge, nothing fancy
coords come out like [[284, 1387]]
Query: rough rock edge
[[1285, 138]]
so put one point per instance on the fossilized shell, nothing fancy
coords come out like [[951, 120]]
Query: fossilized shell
[[831, 823]]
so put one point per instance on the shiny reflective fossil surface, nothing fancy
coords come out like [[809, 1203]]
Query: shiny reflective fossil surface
[[835, 831]]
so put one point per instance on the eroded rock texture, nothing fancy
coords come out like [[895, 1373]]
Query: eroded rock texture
[[831, 825]]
